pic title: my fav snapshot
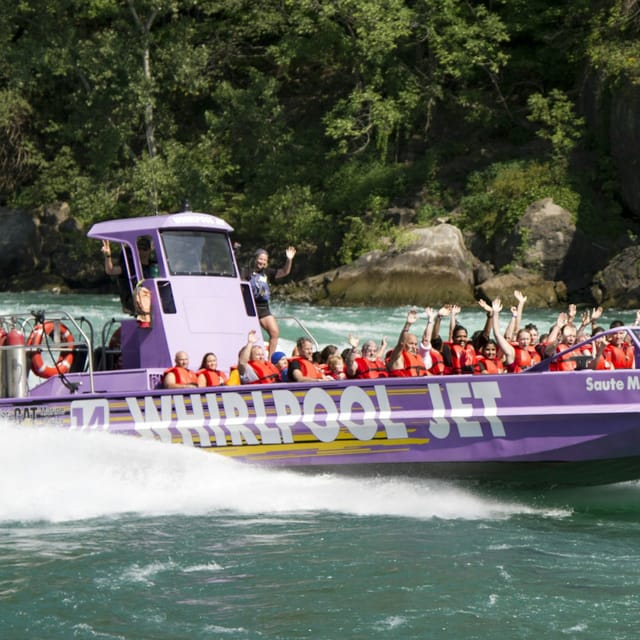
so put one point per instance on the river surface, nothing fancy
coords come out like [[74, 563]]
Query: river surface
[[114, 538]]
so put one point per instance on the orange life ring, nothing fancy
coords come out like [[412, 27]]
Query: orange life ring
[[65, 360]]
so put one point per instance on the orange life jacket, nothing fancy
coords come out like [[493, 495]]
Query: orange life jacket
[[371, 368], [413, 366], [604, 364], [182, 375], [308, 368], [565, 363], [524, 358], [463, 359], [213, 378], [619, 357], [488, 365], [265, 371], [437, 363]]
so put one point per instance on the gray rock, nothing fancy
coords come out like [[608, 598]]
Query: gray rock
[[618, 284], [432, 266], [19, 243], [551, 245], [539, 292]]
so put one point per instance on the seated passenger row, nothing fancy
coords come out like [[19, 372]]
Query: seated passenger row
[[512, 352]]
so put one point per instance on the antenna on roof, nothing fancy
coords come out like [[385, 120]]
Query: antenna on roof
[[187, 206]]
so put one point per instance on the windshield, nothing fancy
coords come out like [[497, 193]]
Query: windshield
[[198, 253]]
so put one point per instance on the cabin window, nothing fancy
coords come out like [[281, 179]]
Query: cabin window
[[198, 253], [247, 296], [166, 297]]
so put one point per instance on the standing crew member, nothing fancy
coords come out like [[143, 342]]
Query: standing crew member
[[259, 281]]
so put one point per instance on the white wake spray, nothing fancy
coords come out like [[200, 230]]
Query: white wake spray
[[57, 475]]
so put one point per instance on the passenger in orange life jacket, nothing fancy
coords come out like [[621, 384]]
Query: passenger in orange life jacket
[[534, 334], [567, 362], [209, 375], [523, 340], [369, 363], [301, 367], [321, 357], [335, 367], [481, 337], [488, 360], [619, 352], [548, 343], [253, 365], [405, 361], [598, 346], [507, 349], [458, 352], [525, 353], [180, 376], [350, 355]]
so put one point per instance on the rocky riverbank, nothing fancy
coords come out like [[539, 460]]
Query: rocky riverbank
[[546, 257]]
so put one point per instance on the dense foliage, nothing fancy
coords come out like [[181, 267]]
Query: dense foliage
[[304, 121]]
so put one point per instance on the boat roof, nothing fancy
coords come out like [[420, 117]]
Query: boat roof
[[111, 229]]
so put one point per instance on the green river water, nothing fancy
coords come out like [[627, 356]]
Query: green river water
[[113, 538]]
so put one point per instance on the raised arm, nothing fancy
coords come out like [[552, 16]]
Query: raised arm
[[503, 343], [585, 320], [513, 325], [286, 269], [443, 312], [428, 330], [485, 306], [555, 331], [245, 354], [109, 268], [395, 360], [382, 349], [455, 310], [350, 361]]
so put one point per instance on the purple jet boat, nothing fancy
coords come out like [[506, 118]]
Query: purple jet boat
[[539, 427]]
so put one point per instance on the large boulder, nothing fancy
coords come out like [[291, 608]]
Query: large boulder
[[19, 242], [428, 266], [539, 292], [551, 244], [618, 284], [47, 250]]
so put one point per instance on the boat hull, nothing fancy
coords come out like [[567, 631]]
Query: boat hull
[[503, 474], [577, 428]]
